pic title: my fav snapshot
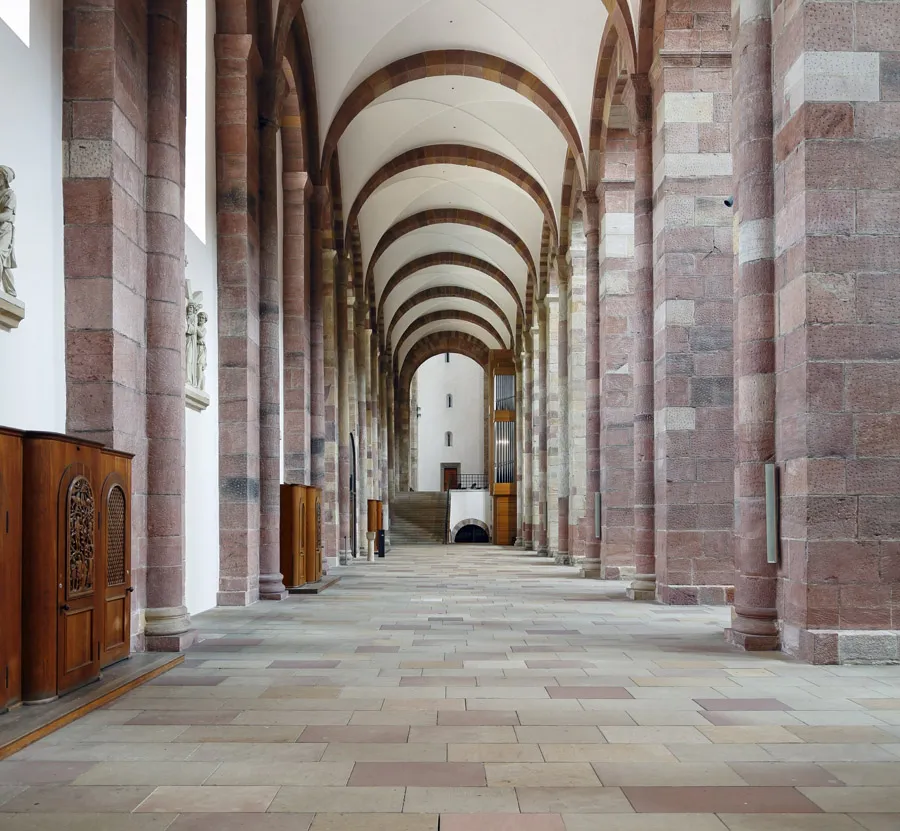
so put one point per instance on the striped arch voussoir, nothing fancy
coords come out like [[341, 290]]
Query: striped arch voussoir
[[460, 343], [450, 258], [449, 292], [445, 316], [454, 62], [463, 156], [449, 216]]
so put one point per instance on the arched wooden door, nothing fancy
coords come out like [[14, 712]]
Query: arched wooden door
[[114, 523]]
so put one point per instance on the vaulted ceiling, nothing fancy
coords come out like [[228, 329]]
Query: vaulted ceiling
[[452, 121]]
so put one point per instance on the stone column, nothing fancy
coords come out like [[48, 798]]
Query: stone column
[[297, 375], [753, 617], [345, 355], [527, 444], [543, 545], [617, 359], [644, 585], [237, 147], [317, 347], [563, 555], [693, 307], [592, 563], [520, 451], [551, 303], [167, 619], [581, 517], [412, 440], [330, 506], [537, 419], [837, 248], [271, 582], [384, 419], [362, 382]]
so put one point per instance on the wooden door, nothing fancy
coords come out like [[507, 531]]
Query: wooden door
[[451, 478], [78, 628], [114, 564], [300, 564], [10, 568], [504, 520]]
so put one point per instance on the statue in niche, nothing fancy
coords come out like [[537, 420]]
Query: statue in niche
[[202, 319], [190, 346], [7, 230]]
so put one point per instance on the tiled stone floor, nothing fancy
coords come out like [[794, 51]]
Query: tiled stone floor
[[472, 689]]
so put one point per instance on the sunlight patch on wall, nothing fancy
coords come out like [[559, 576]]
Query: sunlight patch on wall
[[195, 150], [17, 15]]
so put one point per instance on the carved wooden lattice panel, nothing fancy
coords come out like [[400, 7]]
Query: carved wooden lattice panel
[[115, 537], [80, 556], [318, 526]]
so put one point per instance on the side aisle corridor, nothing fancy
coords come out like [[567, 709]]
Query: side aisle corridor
[[472, 689]]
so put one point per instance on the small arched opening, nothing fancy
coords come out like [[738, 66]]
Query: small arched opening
[[472, 534]]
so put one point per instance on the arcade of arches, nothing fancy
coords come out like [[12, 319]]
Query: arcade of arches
[[675, 223]]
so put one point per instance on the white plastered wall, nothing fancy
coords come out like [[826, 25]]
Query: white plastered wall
[[202, 429], [464, 380], [33, 357]]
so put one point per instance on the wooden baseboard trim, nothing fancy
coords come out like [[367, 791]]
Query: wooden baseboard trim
[[101, 700]]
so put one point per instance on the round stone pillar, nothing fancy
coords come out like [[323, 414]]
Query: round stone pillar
[[754, 614]]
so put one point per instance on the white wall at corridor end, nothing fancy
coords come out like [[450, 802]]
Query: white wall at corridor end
[[464, 380]]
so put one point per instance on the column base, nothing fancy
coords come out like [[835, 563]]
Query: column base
[[543, 550], [519, 543], [842, 646], [592, 570], [696, 595], [271, 587], [563, 558], [642, 588], [168, 629], [751, 643], [344, 557], [237, 598], [528, 545]]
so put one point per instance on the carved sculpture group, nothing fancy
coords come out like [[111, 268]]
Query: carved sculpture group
[[195, 355], [7, 230]]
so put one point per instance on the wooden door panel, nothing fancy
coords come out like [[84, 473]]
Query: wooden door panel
[[10, 568], [115, 565], [78, 642]]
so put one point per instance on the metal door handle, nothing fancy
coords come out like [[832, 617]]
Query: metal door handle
[[130, 589], [64, 607]]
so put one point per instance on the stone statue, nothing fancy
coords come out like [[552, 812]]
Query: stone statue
[[7, 230], [190, 346], [202, 318]]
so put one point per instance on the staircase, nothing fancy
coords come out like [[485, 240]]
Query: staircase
[[418, 518]]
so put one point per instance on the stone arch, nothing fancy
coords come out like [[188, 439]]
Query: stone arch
[[615, 65], [445, 314], [478, 523], [461, 155], [449, 216], [455, 62], [459, 343], [568, 202], [447, 258], [436, 292]]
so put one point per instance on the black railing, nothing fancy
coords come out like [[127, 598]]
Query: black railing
[[471, 482]]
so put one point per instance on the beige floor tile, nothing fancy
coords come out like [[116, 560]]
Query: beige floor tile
[[390, 719], [654, 735], [723, 752], [8, 792], [292, 718], [788, 822], [753, 734], [314, 800], [463, 735], [866, 800], [375, 822], [642, 822], [583, 734], [51, 799], [667, 774], [532, 774], [148, 773], [91, 822], [865, 773], [257, 752], [240, 733], [387, 753], [282, 773], [460, 800], [668, 718], [840, 735], [208, 800], [238, 822], [878, 822], [494, 753], [613, 753], [565, 800]]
